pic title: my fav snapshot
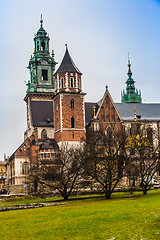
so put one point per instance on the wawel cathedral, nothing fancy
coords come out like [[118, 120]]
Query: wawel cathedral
[[57, 112]]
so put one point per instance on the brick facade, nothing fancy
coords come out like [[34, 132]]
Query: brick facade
[[65, 129], [69, 112], [67, 81], [108, 114]]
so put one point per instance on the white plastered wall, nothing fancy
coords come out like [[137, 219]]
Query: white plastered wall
[[49, 130], [19, 177]]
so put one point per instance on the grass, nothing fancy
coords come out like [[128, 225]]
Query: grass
[[123, 217]]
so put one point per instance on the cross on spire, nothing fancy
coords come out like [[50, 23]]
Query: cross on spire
[[41, 21], [129, 65]]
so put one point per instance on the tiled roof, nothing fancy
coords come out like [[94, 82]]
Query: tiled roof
[[42, 113], [49, 144], [147, 111], [89, 111], [67, 64]]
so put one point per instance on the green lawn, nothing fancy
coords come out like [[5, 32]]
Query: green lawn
[[123, 217]]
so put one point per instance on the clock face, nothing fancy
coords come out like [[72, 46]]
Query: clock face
[[44, 62]]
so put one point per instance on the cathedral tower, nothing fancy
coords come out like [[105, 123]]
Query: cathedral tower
[[41, 64], [131, 95], [41, 88], [69, 112]]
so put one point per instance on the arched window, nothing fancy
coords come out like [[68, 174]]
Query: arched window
[[42, 46], [71, 82], [25, 168], [37, 46], [44, 134], [72, 103], [44, 75], [62, 83], [72, 122]]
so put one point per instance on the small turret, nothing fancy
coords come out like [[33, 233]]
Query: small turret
[[41, 40], [131, 95]]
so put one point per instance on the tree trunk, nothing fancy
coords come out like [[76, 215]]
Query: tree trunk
[[145, 191], [65, 194], [108, 194], [65, 197]]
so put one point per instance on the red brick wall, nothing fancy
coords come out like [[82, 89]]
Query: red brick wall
[[27, 147], [68, 136], [34, 153], [67, 113], [108, 114]]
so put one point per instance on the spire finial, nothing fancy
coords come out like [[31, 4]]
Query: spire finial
[[135, 117], [94, 111], [66, 46], [41, 21], [129, 65]]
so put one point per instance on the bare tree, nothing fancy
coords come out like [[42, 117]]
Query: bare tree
[[132, 174], [143, 153], [105, 158], [60, 173]]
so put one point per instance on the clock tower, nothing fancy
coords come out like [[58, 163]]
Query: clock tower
[[41, 87], [41, 64]]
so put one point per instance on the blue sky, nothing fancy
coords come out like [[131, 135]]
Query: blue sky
[[99, 33]]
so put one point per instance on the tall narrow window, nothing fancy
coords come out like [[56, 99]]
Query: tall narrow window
[[102, 114], [44, 134], [57, 106], [57, 123], [62, 83], [113, 114], [25, 168], [42, 46], [79, 85], [71, 82], [72, 122], [37, 46], [44, 74], [72, 103], [150, 135]]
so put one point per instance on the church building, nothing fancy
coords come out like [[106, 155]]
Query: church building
[[57, 112]]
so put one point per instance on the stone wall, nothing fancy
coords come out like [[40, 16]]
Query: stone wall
[[16, 189]]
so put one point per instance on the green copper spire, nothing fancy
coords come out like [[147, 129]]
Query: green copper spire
[[41, 64], [131, 95]]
